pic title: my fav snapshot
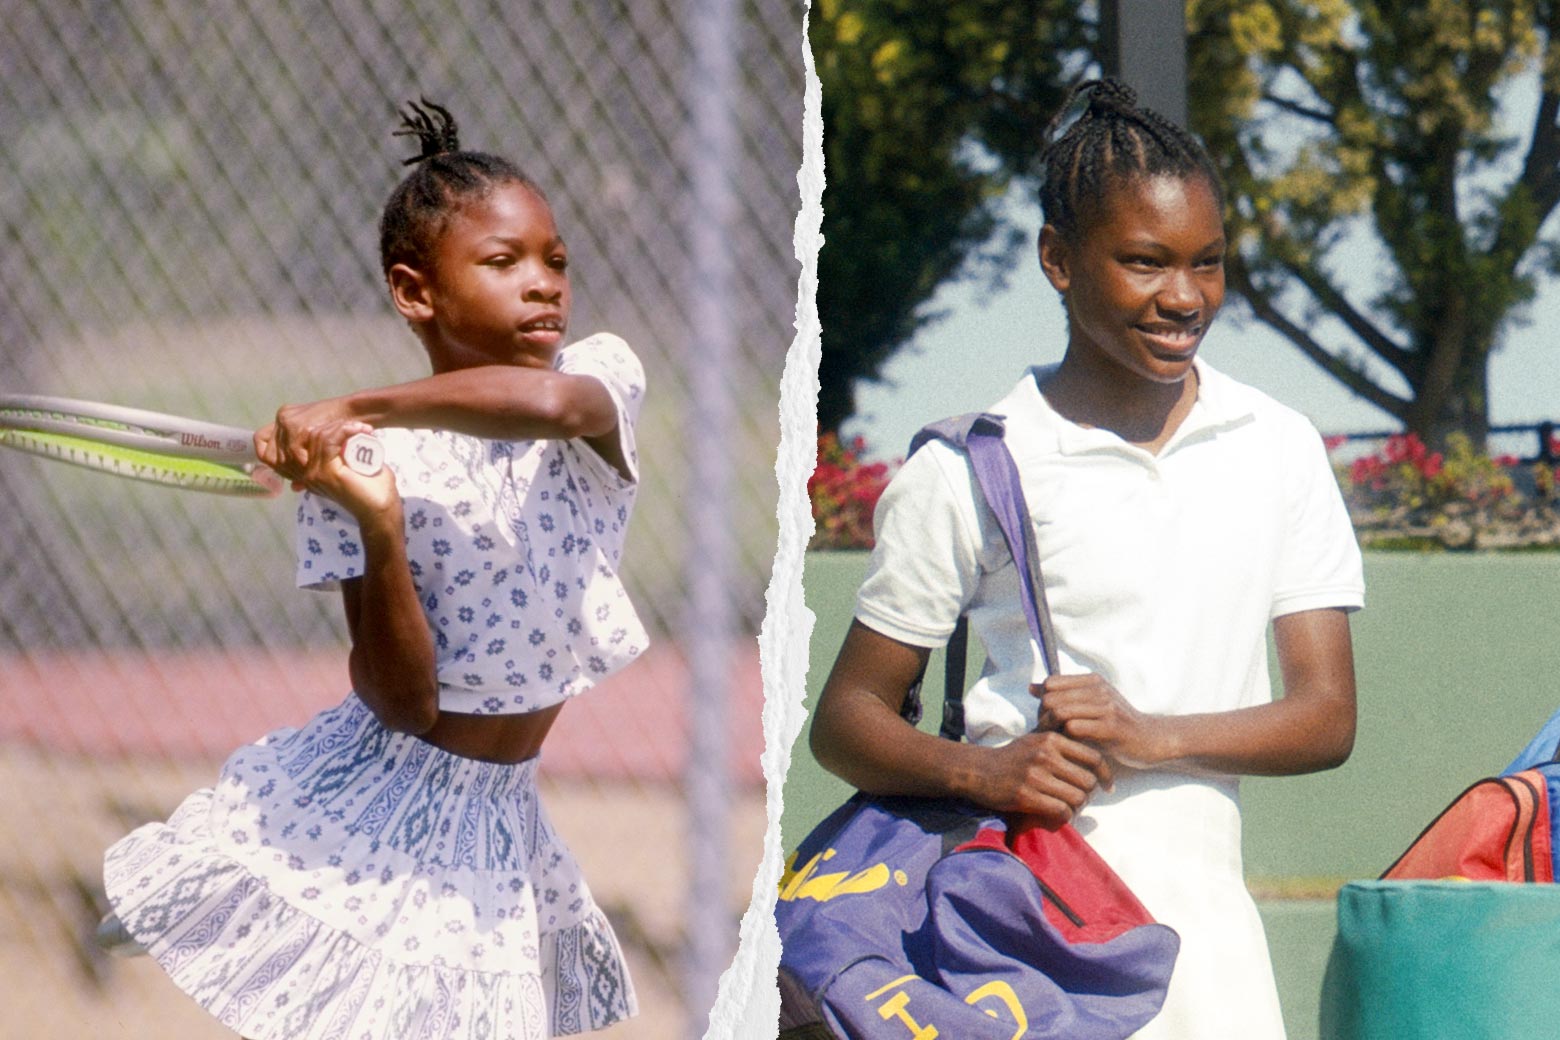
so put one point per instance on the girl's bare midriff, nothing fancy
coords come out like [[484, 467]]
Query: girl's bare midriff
[[493, 738]]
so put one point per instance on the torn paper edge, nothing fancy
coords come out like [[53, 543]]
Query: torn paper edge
[[747, 1005]]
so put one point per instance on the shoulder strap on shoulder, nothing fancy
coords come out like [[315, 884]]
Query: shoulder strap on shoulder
[[956, 430], [980, 436]]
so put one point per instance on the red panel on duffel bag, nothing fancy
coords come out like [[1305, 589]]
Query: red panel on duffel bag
[[1496, 830], [1084, 898]]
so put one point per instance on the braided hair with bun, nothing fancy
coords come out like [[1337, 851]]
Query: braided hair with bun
[[1113, 142], [445, 178]]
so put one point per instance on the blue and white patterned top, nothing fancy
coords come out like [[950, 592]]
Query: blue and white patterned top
[[514, 549]]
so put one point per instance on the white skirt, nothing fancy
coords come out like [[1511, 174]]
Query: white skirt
[[1175, 841], [343, 881]]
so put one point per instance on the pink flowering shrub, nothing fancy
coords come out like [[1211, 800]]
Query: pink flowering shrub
[[1406, 495], [844, 490], [1401, 496], [1406, 474], [1546, 479]]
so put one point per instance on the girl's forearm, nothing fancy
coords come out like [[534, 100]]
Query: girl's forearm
[[856, 730], [1285, 738], [392, 661], [1309, 729], [498, 401], [855, 737]]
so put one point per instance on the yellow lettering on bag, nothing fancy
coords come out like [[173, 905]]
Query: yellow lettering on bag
[[897, 1006], [1009, 999], [894, 1007], [892, 985], [808, 884], [793, 879]]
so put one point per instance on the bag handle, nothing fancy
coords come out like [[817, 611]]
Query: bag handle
[[980, 435]]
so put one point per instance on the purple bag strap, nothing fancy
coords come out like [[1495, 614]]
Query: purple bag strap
[[979, 435]]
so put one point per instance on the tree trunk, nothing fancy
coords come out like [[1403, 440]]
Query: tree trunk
[[1463, 407], [836, 391]]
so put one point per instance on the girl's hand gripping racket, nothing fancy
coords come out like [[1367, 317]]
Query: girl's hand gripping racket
[[152, 446]]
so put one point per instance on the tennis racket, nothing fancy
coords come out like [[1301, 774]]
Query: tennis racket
[[152, 446]]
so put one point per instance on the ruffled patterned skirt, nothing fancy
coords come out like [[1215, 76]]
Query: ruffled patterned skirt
[[343, 881]]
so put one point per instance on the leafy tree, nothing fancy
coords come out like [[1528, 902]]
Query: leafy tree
[[929, 111], [1348, 125], [1343, 127]]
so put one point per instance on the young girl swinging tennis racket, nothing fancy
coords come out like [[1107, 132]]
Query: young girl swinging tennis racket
[[1177, 514], [386, 871]]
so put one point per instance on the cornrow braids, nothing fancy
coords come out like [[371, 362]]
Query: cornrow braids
[[444, 178], [1113, 142]]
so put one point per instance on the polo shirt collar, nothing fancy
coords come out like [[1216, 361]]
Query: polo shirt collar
[[1219, 406]]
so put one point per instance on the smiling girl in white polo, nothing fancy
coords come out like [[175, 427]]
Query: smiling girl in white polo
[[1178, 514]]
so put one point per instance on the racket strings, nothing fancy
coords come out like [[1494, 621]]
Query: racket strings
[[191, 474], [22, 417]]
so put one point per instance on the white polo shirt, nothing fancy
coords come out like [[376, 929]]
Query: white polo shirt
[[1162, 574]]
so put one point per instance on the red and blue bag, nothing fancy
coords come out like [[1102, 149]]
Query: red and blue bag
[[917, 918], [1501, 828]]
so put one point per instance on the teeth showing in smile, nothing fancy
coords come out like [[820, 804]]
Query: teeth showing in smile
[[545, 325], [1175, 337]]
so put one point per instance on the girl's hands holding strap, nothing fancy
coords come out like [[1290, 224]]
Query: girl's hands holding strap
[[1047, 776], [1087, 708], [858, 735]]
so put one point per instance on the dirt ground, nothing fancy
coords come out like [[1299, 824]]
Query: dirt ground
[[61, 809]]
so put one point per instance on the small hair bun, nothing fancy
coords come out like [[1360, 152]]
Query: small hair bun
[[1100, 98], [1111, 95], [434, 128]]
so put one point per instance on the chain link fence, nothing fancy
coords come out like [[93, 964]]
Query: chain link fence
[[189, 195]]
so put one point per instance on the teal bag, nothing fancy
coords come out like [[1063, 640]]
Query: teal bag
[[1444, 960]]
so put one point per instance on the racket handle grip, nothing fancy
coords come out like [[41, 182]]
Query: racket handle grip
[[363, 454]]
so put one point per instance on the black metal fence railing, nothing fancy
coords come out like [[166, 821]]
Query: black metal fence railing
[[1543, 434]]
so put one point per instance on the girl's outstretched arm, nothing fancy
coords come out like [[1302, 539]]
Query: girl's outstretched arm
[[1310, 728], [392, 663], [508, 402], [858, 734]]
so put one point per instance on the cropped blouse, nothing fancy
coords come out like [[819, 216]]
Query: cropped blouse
[[514, 549]]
